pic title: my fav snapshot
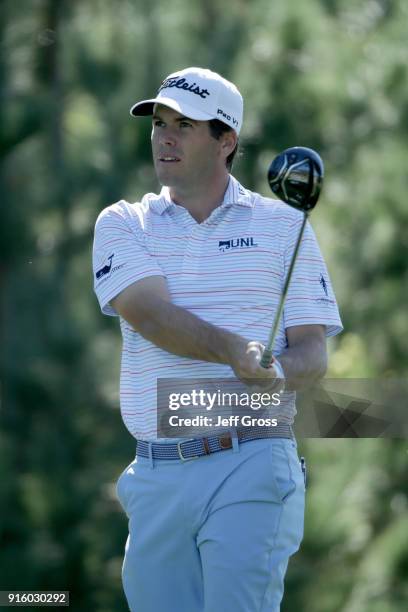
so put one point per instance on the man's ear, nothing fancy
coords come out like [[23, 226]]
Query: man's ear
[[229, 142]]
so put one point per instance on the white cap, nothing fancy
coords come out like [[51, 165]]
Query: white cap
[[199, 94]]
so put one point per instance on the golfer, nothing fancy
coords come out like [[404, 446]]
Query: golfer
[[195, 274]]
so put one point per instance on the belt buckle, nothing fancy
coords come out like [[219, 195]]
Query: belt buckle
[[180, 452]]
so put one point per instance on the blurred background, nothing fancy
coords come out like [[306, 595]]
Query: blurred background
[[328, 74]]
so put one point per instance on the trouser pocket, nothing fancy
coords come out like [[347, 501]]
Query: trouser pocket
[[122, 485], [285, 469], [121, 489]]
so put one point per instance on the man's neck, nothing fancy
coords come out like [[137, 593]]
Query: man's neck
[[201, 203]]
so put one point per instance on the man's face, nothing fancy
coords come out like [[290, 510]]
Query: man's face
[[185, 154]]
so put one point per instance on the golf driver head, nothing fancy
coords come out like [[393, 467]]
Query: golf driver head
[[296, 177]]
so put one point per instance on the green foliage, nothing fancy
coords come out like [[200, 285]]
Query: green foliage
[[354, 555], [327, 74]]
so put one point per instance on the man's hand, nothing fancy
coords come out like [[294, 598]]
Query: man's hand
[[245, 361]]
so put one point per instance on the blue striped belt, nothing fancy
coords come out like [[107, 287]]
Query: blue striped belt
[[198, 447]]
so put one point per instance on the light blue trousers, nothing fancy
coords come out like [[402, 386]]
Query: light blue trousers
[[213, 534]]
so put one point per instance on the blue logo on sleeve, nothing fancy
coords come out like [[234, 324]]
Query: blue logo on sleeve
[[323, 284], [106, 268]]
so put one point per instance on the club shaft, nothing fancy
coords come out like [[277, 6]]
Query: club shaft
[[267, 355]]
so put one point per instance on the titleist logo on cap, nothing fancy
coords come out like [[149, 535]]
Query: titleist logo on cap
[[213, 97], [182, 83]]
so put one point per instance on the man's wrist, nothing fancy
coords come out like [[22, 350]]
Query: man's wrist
[[234, 347]]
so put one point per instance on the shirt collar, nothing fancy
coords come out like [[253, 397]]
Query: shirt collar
[[235, 194]]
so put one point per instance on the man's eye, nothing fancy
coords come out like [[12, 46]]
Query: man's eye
[[185, 124], [158, 123]]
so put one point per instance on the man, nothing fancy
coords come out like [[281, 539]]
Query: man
[[195, 274]]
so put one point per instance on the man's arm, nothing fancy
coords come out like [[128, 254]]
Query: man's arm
[[305, 359], [146, 306]]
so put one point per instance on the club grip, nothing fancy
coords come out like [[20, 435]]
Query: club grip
[[266, 358]]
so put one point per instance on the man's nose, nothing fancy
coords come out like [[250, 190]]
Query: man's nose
[[168, 137]]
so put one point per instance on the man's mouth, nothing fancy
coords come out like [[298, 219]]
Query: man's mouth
[[168, 159]]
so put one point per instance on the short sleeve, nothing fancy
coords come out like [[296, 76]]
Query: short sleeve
[[310, 298], [120, 256]]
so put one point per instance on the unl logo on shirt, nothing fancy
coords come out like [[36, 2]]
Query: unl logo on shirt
[[236, 243]]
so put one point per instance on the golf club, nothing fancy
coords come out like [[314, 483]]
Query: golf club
[[296, 177]]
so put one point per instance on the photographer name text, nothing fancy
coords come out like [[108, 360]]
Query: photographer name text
[[230, 421]]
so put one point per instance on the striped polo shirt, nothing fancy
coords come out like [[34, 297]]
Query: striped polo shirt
[[228, 270]]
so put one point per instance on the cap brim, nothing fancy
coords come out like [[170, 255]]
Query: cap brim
[[145, 107]]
